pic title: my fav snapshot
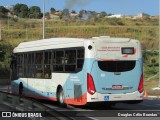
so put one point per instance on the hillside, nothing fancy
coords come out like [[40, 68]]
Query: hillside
[[16, 30]]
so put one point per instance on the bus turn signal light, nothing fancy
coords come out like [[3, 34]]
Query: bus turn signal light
[[90, 84]]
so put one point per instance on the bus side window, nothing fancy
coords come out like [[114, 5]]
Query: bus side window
[[59, 57], [58, 61], [53, 57], [80, 53], [80, 59], [20, 65], [39, 58], [70, 56], [47, 64], [39, 73], [70, 60], [31, 66]]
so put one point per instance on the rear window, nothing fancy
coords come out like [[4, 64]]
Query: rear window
[[116, 66]]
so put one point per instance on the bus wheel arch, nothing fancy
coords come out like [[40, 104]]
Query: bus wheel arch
[[60, 96]]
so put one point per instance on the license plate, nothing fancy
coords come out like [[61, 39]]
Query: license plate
[[106, 98], [117, 87]]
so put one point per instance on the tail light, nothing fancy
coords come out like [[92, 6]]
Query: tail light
[[90, 84], [140, 87]]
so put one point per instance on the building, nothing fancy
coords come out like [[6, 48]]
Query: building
[[58, 12], [141, 15], [53, 16], [73, 14], [116, 16]]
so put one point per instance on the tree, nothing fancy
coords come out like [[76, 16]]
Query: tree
[[102, 14], [73, 12], [81, 13], [4, 57], [21, 10], [65, 13], [3, 10], [52, 10], [35, 12], [47, 15]]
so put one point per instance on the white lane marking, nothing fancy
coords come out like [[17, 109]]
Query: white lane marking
[[93, 118]]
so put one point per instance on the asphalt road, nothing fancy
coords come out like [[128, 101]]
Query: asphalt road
[[147, 107], [5, 108], [100, 112]]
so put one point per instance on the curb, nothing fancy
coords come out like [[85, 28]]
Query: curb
[[152, 97]]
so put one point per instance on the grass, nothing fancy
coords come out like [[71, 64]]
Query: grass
[[148, 85], [147, 35]]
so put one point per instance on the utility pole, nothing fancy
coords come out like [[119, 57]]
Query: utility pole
[[159, 50], [43, 19]]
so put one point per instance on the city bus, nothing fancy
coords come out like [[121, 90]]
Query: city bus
[[79, 71]]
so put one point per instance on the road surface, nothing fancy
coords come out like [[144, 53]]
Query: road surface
[[99, 112]]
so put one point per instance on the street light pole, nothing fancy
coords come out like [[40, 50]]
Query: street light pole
[[159, 49], [43, 19]]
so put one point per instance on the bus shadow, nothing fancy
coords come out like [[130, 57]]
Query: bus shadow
[[94, 106]]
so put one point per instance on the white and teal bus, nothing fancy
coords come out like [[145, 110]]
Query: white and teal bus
[[79, 71]]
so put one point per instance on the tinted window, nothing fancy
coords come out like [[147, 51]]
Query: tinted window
[[116, 66], [20, 65], [40, 64], [68, 60]]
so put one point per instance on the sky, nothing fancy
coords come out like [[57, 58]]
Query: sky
[[126, 7]]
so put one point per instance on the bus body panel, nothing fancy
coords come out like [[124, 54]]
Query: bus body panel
[[75, 84], [112, 85], [98, 97], [105, 81]]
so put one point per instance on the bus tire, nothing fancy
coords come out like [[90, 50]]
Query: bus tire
[[20, 89], [60, 97]]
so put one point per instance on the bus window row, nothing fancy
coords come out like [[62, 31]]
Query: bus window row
[[40, 64]]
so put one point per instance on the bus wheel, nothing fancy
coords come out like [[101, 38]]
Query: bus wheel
[[20, 89], [60, 97]]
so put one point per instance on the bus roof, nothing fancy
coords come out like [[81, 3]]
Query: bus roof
[[63, 43], [48, 44]]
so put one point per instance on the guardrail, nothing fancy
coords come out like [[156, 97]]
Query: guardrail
[[28, 105]]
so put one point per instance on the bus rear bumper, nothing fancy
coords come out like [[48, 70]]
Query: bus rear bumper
[[98, 97]]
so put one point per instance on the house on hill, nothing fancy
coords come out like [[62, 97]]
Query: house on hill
[[141, 15], [116, 16], [58, 12]]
